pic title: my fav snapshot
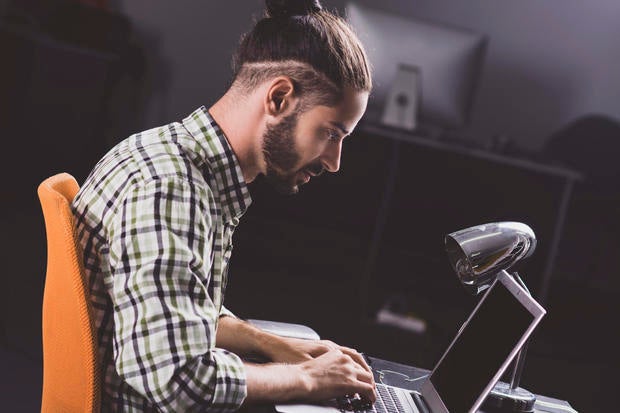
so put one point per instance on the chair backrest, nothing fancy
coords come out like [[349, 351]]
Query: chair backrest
[[70, 367]]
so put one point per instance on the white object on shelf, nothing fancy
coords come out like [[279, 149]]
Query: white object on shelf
[[405, 321]]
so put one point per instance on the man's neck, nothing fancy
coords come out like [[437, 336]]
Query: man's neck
[[240, 123]]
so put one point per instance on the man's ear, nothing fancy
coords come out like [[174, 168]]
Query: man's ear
[[281, 97]]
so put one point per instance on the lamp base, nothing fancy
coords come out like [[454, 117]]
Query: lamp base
[[503, 399]]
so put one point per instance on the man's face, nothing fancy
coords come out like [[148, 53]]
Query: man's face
[[303, 145]]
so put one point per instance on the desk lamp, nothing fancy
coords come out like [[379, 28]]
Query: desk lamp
[[478, 254]]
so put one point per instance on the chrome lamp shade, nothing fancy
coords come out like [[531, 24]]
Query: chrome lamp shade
[[478, 253]]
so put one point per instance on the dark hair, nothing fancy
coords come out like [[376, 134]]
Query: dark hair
[[316, 48]]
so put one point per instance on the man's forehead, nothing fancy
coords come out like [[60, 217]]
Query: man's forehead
[[348, 112]]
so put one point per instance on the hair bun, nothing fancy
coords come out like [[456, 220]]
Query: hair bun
[[288, 8]]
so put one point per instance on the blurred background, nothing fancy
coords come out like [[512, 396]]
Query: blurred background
[[518, 118]]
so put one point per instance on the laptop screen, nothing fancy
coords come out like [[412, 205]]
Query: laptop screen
[[484, 344]]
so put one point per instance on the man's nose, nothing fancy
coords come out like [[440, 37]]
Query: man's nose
[[331, 157]]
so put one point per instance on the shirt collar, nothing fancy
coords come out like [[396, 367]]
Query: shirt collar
[[221, 162]]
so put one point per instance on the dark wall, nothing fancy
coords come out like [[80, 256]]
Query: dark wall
[[189, 48], [548, 62]]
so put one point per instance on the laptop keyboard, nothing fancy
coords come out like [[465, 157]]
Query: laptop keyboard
[[387, 402]]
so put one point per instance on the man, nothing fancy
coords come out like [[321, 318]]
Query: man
[[156, 216]]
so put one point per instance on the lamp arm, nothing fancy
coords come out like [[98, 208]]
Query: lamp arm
[[520, 361], [518, 366], [518, 279]]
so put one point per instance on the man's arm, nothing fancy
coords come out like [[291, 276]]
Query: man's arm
[[164, 318], [303, 369], [243, 339], [333, 374]]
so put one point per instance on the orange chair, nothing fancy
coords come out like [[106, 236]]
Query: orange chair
[[70, 368], [71, 372]]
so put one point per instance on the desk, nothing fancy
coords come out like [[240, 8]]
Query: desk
[[410, 377], [400, 138]]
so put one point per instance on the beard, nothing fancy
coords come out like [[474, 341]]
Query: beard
[[282, 158]]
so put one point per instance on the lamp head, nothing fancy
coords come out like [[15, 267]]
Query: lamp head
[[479, 253]]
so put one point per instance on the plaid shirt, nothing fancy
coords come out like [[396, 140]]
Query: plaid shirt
[[155, 220]]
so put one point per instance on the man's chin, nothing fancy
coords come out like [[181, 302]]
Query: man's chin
[[287, 189], [293, 190], [284, 187]]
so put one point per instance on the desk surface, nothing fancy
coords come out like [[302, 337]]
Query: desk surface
[[409, 377]]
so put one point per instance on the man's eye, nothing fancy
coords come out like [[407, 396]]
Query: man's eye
[[332, 135]]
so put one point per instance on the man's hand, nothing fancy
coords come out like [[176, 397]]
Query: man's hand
[[294, 350], [336, 373], [328, 369], [243, 339], [311, 370], [332, 374]]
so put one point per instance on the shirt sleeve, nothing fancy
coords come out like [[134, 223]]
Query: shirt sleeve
[[164, 318], [225, 312]]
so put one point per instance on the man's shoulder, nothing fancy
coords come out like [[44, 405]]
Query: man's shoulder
[[151, 157], [164, 152]]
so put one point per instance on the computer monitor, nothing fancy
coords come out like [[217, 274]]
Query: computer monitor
[[448, 60]]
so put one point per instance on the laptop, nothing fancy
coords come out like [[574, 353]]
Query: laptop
[[468, 370]]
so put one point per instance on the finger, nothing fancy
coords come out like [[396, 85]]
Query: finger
[[325, 348], [357, 357], [363, 375], [366, 391], [319, 350], [329, 345], [361, 370], [336, 356]]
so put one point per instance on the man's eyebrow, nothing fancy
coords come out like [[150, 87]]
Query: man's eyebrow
[[341, 127]]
